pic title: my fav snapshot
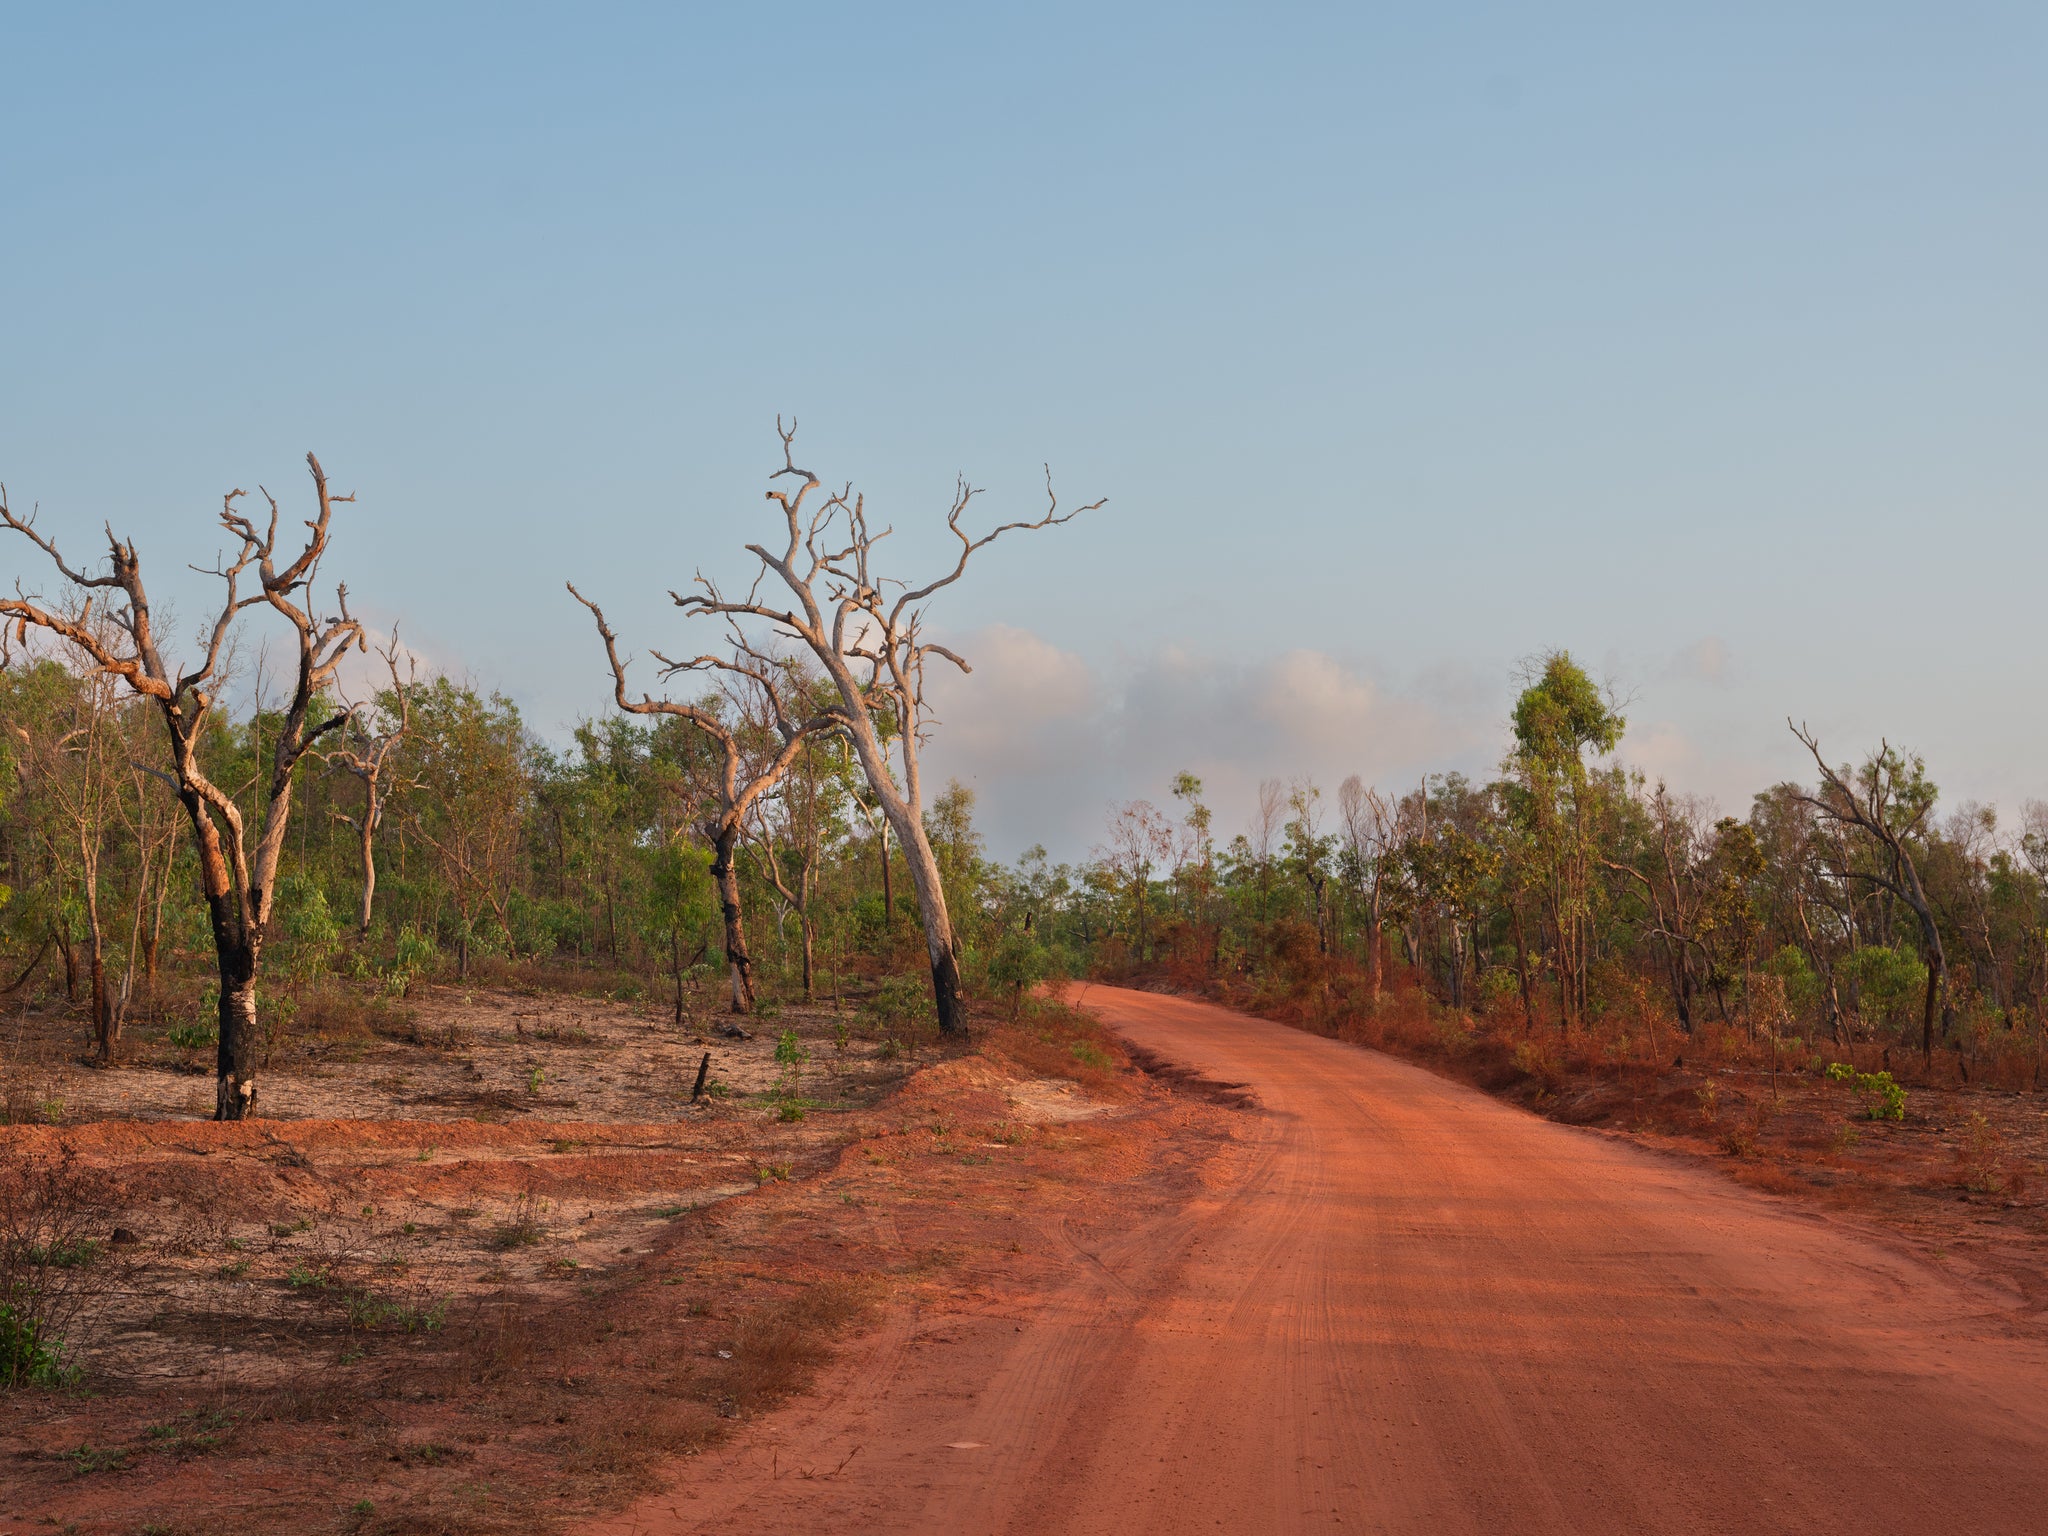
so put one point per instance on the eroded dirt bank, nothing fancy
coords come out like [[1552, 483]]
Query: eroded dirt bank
[[1397, 1305]]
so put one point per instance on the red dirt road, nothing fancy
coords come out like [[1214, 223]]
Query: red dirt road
[[1412, 1309]]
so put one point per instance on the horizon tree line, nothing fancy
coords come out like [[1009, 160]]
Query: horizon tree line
[[146, 823]]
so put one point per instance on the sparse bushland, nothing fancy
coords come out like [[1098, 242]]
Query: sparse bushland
[[1570, 896], [1607, 950]]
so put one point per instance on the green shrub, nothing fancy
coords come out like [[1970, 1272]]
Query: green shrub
[[1883, 1098], [56, 1272], [29, 1357], [414, 956], [1802, 984], [193, 1037], [1888, 981], [1016, 964], [901, 1005]]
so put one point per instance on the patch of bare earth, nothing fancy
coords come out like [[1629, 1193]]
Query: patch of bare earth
[[470, 1315]]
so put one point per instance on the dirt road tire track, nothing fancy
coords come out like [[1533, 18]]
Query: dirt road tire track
[[1414, 1309]]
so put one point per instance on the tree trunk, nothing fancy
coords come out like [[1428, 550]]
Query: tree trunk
[[234, 1063], [61, 931], [946, 993], [1372, 949], [888, 888], [1936, 958], [156, 920], [369, 857], [1927, 1013], [938, 928], [1674, 967], [1559, 940], [803, 922], [106, 1027], [725, 876], [104, 1024], [1522, 967]]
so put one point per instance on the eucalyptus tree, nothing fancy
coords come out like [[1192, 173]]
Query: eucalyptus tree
[[472, 782], [753, 755], [867, 631], [1140, 838], [70, 753], [1888, 802], [369, 754], [1194, 868], [238, 863], [1311, 851], [1560, 717], [1664, 862], [1368, 851], [789, 831]]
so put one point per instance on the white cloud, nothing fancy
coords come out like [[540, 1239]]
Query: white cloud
[[1049, 743], [1024, 701], [1706, 661]]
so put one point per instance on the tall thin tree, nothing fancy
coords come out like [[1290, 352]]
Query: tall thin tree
[[369, 755], [873, 649]]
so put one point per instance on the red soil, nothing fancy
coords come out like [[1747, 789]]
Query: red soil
[[1399, 1305]]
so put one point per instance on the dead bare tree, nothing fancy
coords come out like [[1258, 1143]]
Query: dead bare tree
[[1674, 850], [872, 648], [368, 755], [1266, 823], [1372, 842], [238, 874], [743, 777], [1889, 805]]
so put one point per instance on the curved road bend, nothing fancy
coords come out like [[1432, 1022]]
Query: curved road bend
[[1423, 1311]]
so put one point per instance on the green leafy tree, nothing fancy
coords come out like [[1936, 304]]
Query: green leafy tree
[[1560, 718]]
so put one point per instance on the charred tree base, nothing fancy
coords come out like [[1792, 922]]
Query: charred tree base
[[946, 998], [235, 1070]]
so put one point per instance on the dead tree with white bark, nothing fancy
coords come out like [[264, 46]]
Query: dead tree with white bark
[[369, 754], [1371, 847], [867, 631], [744, 776], [238, 863]]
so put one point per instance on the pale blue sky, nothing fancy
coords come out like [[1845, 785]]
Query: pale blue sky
[[1710, 342]]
